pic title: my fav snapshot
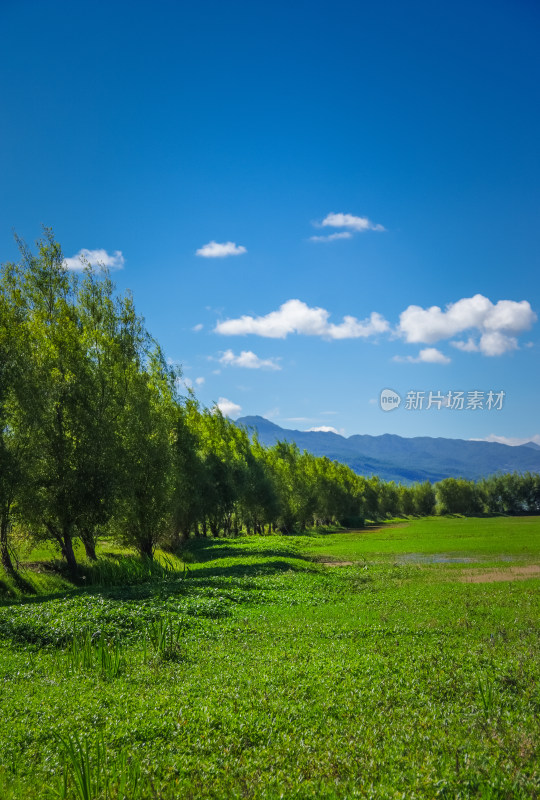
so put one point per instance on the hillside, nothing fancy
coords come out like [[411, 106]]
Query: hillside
[[403, 459]]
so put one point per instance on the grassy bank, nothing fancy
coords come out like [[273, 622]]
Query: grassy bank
[[260, 671]]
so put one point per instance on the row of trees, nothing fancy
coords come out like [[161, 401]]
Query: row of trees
[[95, 438], [510, 493]]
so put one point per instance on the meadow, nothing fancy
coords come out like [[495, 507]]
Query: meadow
[[334, 664]]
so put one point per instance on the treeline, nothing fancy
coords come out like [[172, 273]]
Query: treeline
[[96, 439], [510, 493]]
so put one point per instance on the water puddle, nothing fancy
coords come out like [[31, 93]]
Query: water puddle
[[446, 558], [434, 558]]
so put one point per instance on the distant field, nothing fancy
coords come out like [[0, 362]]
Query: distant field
[[508, 536], [277, 676]]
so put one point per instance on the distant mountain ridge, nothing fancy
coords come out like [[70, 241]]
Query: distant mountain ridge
[[402, 459], [533, 445]]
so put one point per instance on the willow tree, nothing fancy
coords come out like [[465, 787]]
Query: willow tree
[[52, 398], [109, 342], [189, 475], [144, 509], [12, 450]]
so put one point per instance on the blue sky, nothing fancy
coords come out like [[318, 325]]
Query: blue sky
[[150, 131]]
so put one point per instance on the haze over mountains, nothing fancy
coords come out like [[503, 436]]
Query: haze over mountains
[[405, 460]]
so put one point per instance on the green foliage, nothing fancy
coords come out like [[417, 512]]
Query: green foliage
[[458, 496], [425, 498]]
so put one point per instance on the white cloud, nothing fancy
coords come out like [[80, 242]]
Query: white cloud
[[495, 343], [332, 237], [470, 346], [351, 328], [248, 360], [357, 224], [323, 429], [96, 259], [199, 381], [429, 355], [496, 323], [294, 316], [228, 408], [198, 327], [220, 250], [492, 327], [491, 343], [513, 441]]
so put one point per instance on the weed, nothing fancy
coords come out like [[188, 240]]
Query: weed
[[123, 570], [96, 653], [165, 636], [486, 690], [88, 772]]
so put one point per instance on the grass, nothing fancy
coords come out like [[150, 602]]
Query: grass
[[467, 536], [261, 673]]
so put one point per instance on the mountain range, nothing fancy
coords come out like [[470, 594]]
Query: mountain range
[[401, 459]]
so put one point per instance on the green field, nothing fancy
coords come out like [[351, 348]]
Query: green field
[[257, 670]]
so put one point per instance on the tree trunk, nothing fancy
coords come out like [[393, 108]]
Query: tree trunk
[[89, 542], [4, 547], [66, 544], [146, 548]]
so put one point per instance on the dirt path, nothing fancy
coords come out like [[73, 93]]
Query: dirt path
[[497, 575]]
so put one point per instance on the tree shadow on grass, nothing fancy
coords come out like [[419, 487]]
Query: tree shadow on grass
[[20, 583], [188, 583], [250, 570], [229, 587], [201, 550], [6, 592]]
